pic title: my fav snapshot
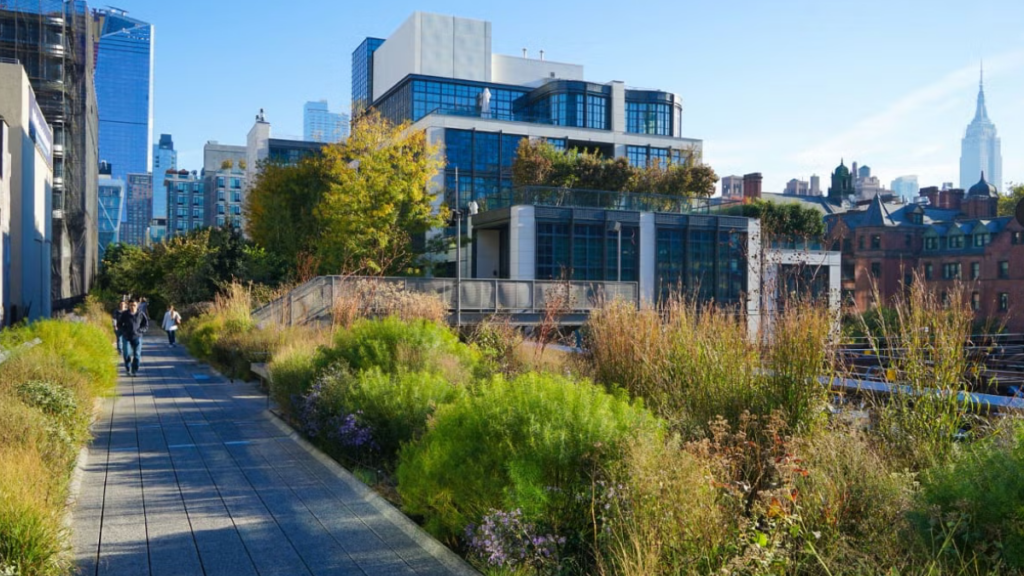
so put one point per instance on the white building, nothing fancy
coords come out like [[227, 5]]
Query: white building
[[27, 161], [980, 149]]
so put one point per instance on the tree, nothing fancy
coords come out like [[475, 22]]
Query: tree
[[1008, 202], [784, 220], [377, 198]]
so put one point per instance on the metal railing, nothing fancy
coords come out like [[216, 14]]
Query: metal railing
[[315, 299], [581, 198]]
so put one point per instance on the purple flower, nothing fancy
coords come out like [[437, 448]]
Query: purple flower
[[505, 539]]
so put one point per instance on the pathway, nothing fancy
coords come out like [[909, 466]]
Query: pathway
[[189, 474]]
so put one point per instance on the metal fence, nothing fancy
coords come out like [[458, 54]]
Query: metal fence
[[315, 299]]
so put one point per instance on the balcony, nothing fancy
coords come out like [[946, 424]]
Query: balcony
[[624, 201]]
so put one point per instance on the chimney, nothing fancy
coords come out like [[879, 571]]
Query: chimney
[[541, 54], [752, 186], [524, 52], [931, 193]]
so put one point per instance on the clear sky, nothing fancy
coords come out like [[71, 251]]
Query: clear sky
[[783, 87]]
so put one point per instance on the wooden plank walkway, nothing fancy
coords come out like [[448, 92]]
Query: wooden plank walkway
[[189, 474]]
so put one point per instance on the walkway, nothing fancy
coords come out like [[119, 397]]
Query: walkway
[[189, 474]]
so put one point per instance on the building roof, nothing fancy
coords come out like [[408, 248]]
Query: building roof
[[983, 188], [819, 203]]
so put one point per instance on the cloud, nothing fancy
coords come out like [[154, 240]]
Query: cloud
[[887, 132]]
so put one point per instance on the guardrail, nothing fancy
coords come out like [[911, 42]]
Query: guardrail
[[315, 299]]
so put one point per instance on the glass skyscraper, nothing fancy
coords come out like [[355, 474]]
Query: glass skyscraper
[[362, 74], [319, 124], [124, 91], [111, 200], [164, 158]]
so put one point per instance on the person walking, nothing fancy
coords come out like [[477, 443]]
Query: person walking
[[121, 307], [132, 323], [170, 324]]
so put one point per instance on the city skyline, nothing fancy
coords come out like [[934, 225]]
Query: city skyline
[[761, 101]]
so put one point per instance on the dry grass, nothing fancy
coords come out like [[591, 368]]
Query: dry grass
[[377, 299]]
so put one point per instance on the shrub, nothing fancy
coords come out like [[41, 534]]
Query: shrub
[[974, 503], [78, 347], [364, 298], [31, 536], [392, 408], [498, 343], [528, 444], [393, 345], [291, 375]]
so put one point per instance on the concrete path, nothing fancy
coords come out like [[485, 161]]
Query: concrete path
[[189, 474]]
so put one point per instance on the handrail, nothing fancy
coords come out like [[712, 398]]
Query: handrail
[[7, 354]]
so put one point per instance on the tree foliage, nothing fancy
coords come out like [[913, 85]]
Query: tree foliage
[[538, 163], [352, 208], [1008, 202], [784, 220]]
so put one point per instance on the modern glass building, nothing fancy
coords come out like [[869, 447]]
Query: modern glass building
[[124, 90], [139, 208], [362, 74], [319, 124], [111, 200], [164, 159]]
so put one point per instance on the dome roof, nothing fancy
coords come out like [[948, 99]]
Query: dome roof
[[983, 188], [842, 170]]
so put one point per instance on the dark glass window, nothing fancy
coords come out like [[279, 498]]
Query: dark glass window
[[588, 252], [1004, 269], [931, 243], [649, 118], [1017, 238], [670, 260], [876, 242], [907, 240], [220, 181], [552, 250], [1004, 301], [980, 240], [975, 270], [860, 242], [597, 112], [956, 241], [951, 271], [928, 271], [630, 253], [975, 301], [701, 253], [876, 270]]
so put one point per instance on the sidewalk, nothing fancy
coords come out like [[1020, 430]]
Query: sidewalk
[[188, 474]]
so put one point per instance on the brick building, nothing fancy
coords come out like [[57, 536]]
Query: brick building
[[945, 236]]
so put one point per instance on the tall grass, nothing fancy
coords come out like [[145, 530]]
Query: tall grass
[[364, 299]]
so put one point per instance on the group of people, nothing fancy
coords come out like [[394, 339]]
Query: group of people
[[131, 321]]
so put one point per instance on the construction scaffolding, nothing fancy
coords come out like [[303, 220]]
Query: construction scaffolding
[[53, 40]]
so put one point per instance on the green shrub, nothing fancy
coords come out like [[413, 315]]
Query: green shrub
[[528, 444], [291, 376], [31, 538], [393, 407], [394, 345], [200, 334], [974, 500], [81, 347]]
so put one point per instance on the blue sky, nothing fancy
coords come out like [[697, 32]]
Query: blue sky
[[785, 88]]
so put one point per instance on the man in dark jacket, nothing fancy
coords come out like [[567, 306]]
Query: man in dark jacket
[[132, 324]]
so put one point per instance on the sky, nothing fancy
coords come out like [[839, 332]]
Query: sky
[[787, 88]]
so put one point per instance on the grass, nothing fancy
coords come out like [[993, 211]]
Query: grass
[[46, 399]]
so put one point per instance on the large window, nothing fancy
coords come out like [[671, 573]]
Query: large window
[[552, 250], [1004, 269], [704, 263], [649, 118], [459, 99], [643, 156], [951, 271], [484, 162], [588, 252], [594, 253]]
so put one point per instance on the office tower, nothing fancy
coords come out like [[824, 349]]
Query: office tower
[[815, 185], [164, 159], [124, 91], [111, 198], [362, 75], [53, 40], [139, 207], [321, 125], [906, 187], [980, 148]]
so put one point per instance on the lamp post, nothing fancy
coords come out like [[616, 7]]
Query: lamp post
[[459, 214], [617, 228]]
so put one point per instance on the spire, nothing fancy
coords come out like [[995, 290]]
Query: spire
[[981, 114]]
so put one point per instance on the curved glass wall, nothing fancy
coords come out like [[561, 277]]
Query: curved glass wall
[[653, 112]]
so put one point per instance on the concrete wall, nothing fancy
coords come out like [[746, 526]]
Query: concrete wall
[[5, 221], [531, 71], [487, 244], [648, 255], [214, 154], [522, 237], [257, 147]]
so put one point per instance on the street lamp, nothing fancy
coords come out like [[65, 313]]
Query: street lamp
[[617, 228], [458, 214]]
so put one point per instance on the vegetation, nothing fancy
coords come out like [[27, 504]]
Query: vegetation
[[1008, 201], [46, 400], [353, 208], [791, 221], [538, 163]]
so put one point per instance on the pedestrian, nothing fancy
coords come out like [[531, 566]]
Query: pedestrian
[[133, 323], [121, 307], [170, 324], [144, 306]]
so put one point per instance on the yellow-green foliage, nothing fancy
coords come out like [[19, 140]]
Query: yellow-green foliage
[[46, 399]]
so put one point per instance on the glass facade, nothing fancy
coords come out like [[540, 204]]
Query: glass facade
[[483, 160], [124, 84], [362, 74], [319, 124], [653, 112], [164, 158], [224, 197], [705, 263], [291, 151], [111, 197], [586, 251], [567, 103], [186, 209], [139, 207], [419, 96]]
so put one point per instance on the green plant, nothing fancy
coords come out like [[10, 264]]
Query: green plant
[[529, 444], [291, 375]]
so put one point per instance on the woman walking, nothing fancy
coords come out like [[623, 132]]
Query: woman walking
[[121, 307], [170, 324]]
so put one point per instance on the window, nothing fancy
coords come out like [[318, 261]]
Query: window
[[876, 270], [847, 245], [907, 240], [1004, 301], [847, 271], [876, 242], [197, 200], [1017, 238], [552, 249], [1004, 269], [236, 196], [975, 270], [236, 183], [951, 271], [860, 242], [236, 209], [220, 196], [956, 241], [181, 198], [181, 212], [931, 243], [220, 181], [975, 301], [220, 220], [928, 271], [649, 118], [197, 212], [980, 240], [220, 208]]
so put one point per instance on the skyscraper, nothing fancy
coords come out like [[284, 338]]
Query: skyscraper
[[53, 39], [362, 74], [980, 148], [111, 198], [321, 125], [124, 91], [906, 187], [139, 203], [164, 159]]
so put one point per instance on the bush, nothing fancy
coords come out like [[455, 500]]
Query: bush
[[529, 444], [969, 509], [291, 375], [393, 346], [392, 408]]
